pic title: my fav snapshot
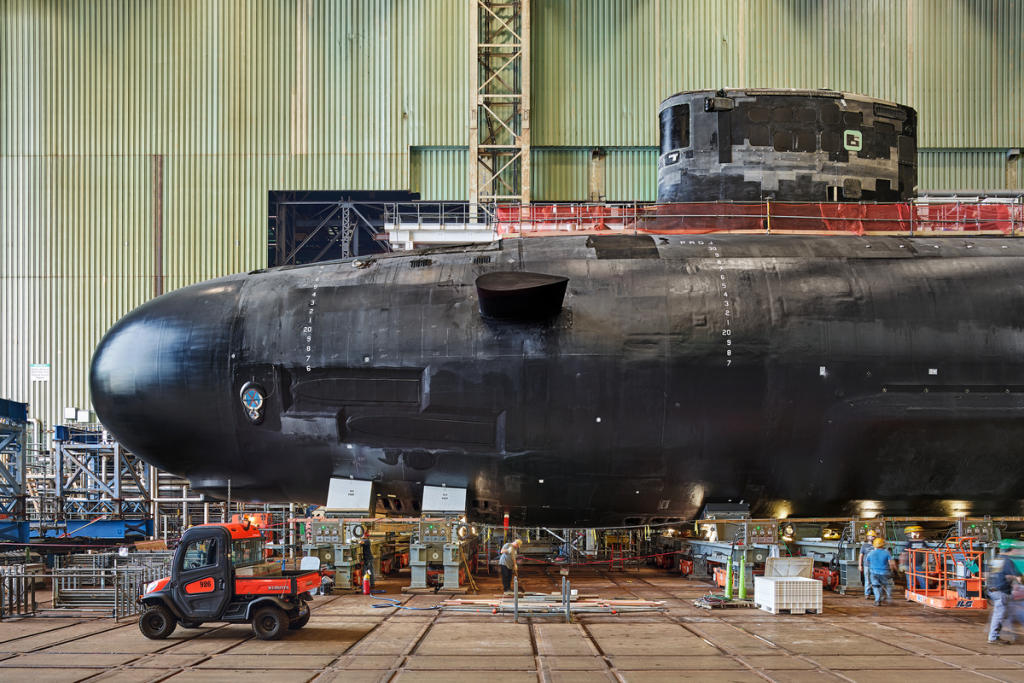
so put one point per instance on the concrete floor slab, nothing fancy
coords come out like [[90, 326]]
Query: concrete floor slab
[[1014, 676], [35, 675], [346, 642], [578, 677], [666, 662], [164, 661], [53, 637], [732, 639], [458, 662], [853, 662], [905, 636], [30, 626], [695, 676], [364, 676], [819, 638], [476, 639], [921, 676], [81, 661], [126, 640], [266, 661], [802, 677], [247, 675], [647, 639], [562, 639], [367, 662], [571, 663], [393, 638], [315, 639], [780, 661], [212, 642], [462, 677], [130, 676], [979, 662]]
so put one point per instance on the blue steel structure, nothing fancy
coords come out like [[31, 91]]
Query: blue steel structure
[[14, 524], [103, 491]]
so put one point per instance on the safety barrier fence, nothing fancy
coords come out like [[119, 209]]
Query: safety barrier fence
[[112, 591], [924, 217], [17, 592], [116, 560]]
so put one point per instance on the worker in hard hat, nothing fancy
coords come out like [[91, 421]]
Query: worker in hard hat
[[865, 571], [367, 548], [1001, 577], [882, 566]]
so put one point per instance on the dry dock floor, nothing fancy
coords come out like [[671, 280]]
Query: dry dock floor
[[348, 640]]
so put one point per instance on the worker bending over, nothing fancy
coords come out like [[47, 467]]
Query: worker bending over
[[881, 564], [508, 565]]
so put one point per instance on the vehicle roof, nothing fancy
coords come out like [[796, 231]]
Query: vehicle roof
[[237, 531]]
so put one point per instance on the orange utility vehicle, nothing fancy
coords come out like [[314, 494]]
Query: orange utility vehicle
[[220, 573]]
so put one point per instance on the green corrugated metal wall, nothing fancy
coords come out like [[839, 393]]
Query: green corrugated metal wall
[[229, 99], [963, 169]]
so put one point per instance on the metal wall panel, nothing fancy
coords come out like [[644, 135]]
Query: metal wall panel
[[439, 173], [560, 175], [631, 174], [697, 44], [962, 169], [968, 70], [592, 71], [959, 63], [61, 287]]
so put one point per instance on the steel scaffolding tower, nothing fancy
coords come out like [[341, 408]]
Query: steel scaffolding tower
[[13, 466], [499, 119]]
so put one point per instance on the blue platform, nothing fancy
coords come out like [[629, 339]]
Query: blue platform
[[103, 529], [13, 410], [13, 532]]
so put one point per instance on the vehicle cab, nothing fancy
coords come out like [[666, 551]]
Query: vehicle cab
[[220, 573]]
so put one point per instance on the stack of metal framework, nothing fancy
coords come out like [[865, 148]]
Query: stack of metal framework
[[85, 485]]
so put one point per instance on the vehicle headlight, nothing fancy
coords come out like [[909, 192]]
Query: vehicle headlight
[[151, 586]]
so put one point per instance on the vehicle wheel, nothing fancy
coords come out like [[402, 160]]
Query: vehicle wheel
[[190, 624], [269, 623], [157, 622], [301, 619]]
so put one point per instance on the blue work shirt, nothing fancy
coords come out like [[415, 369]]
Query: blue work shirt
[[1001, 572], [878, 561]]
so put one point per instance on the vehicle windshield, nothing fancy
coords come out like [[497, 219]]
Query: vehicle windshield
[[245, 552]]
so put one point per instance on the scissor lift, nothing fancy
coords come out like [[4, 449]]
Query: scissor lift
[[948, 577]]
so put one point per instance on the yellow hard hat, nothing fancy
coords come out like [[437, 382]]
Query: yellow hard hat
[[872, 533], [878, 542], [912, 529]]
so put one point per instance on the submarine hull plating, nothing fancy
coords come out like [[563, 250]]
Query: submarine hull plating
[[802, 375]]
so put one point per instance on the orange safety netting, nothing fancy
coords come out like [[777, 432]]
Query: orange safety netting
[[716, 217]]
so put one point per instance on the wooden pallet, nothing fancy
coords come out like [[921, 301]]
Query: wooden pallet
[[788, 611], [704, 603]]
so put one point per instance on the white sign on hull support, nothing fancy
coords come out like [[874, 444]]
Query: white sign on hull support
[[351, 497], [443, 499]]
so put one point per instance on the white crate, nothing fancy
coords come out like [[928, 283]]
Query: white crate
[[794, 595]]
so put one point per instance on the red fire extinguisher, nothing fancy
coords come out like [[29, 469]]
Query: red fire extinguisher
[[366, 582]]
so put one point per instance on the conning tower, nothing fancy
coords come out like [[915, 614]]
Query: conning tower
[[787, 145]]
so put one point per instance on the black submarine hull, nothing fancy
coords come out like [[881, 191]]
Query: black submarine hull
[[803, 375]]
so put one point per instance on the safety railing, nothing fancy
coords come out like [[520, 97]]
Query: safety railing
[[17, 592], [932, 216], [112, 591], [948, 576]]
